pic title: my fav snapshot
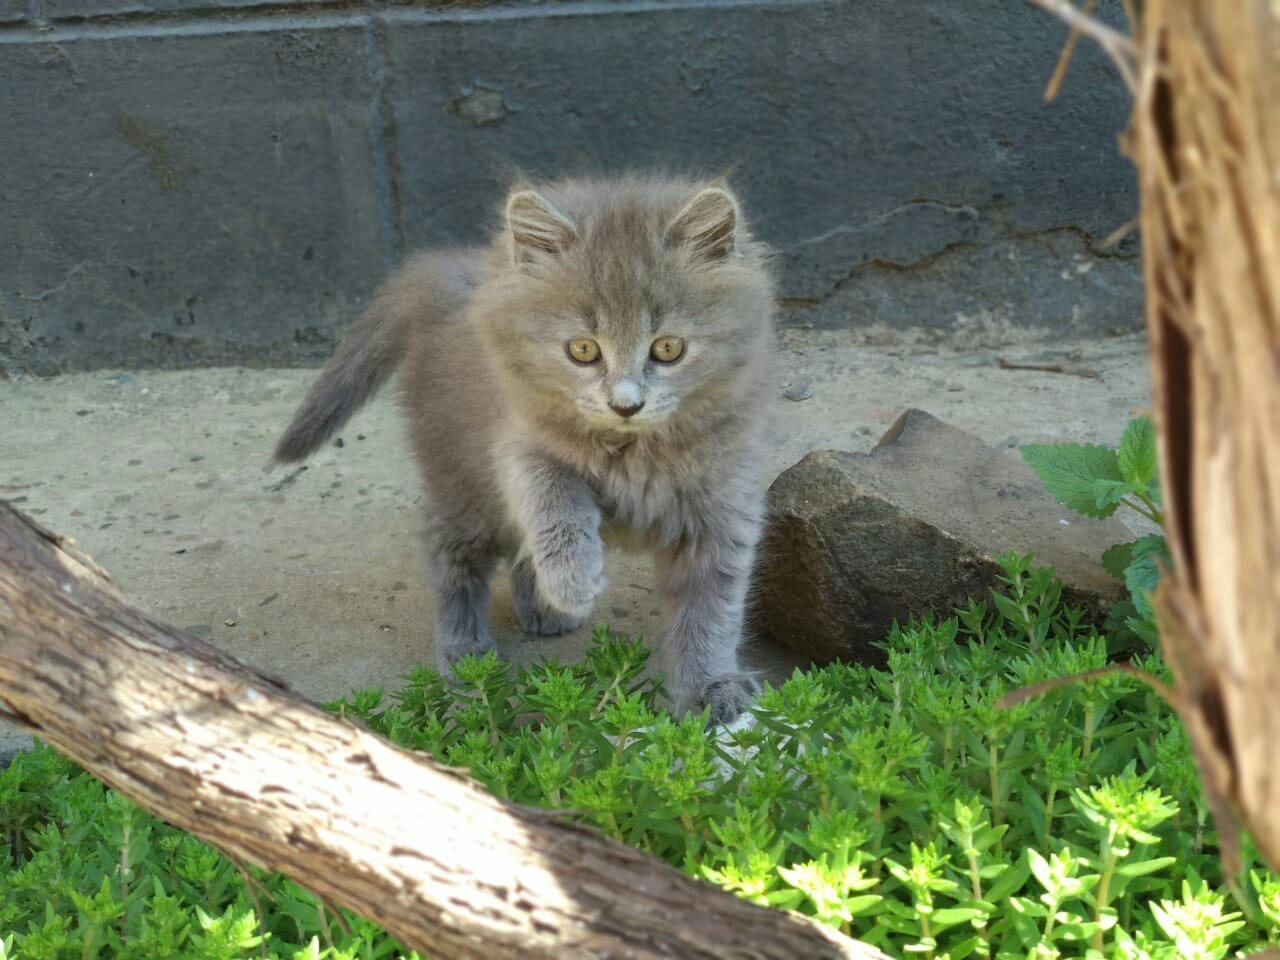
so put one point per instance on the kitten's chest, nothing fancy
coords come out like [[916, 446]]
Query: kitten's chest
[[644, 500]]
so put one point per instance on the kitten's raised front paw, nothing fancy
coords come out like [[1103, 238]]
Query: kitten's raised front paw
[[533, 613], [571, 575], [542, 621], [727, 695]]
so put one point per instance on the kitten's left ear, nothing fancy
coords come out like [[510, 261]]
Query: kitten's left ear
[[708, 223]]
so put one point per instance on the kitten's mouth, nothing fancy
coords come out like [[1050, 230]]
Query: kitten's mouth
[[625, 431], [626, 428]]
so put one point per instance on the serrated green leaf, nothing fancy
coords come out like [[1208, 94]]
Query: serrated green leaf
[[1152, 545], [1144, 630], [1109, 494], [1138, 451], [1141, 577], [1116, 558], [1071, 473]]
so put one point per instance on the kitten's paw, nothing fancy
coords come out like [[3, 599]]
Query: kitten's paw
[[571, 576], [543, 621], [533, 613], [727, 695]]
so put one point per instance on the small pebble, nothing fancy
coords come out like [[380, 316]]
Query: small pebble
[[359, 436], [196, 459], [339, 443], [798, 392], [229, 623], [83, 413]]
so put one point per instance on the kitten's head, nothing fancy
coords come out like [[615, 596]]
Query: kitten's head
[[618, 304]]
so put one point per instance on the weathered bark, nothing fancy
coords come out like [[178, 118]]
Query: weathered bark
[[230, 755], [1205, 137], [1206, 141]]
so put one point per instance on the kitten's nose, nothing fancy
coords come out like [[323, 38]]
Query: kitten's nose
[[627, 409]]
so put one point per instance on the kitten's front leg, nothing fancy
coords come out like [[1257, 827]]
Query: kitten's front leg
[[705, 586], [559, 518]]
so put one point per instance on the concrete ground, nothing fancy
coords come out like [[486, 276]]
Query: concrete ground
[[315, 574]]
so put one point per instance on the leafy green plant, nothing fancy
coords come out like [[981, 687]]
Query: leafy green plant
[[1095, 481], [898, 805]]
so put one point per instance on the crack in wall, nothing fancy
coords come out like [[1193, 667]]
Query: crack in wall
[[56, 288], [882, 219], [971, 247], [1002, 233]]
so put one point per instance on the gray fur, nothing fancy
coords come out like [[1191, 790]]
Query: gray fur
[[524, 456], [534, 614]]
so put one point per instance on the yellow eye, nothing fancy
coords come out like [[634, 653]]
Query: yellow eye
[[667, 349], [583, 350]]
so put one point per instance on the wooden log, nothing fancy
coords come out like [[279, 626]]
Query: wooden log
[[229, 754]]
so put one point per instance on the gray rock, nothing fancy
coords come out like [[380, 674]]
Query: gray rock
[[856, 541], [13, 741]]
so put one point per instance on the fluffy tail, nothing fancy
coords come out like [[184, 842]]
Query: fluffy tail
[[428, 285]]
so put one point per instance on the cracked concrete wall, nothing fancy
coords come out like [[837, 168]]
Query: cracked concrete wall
[[192, 183]]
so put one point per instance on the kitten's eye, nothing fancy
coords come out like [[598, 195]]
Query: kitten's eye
[[583, 351], [667, 349]]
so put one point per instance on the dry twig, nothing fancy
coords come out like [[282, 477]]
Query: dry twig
[[1117, 46]]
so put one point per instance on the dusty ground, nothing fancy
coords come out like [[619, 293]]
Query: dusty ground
[[315, 575]]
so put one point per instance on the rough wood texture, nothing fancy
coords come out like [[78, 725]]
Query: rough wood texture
[[229, 754], [1205, 137], [1206, 140]]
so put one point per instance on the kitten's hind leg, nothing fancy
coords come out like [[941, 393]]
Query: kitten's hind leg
[[460, 566], [535, 615]]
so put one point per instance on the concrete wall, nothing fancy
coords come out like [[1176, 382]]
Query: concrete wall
[[192, 182]]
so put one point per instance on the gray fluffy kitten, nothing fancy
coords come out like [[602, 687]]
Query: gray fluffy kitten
[[602, 370]]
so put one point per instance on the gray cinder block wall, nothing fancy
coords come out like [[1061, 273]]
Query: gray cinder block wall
[[196, 182]]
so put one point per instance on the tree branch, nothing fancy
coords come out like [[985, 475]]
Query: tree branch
[[229, 754]]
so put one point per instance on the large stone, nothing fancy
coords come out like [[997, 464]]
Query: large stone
[[856, 540]]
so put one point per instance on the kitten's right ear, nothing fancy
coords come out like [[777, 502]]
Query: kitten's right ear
[[536, 227], [708, 224]]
